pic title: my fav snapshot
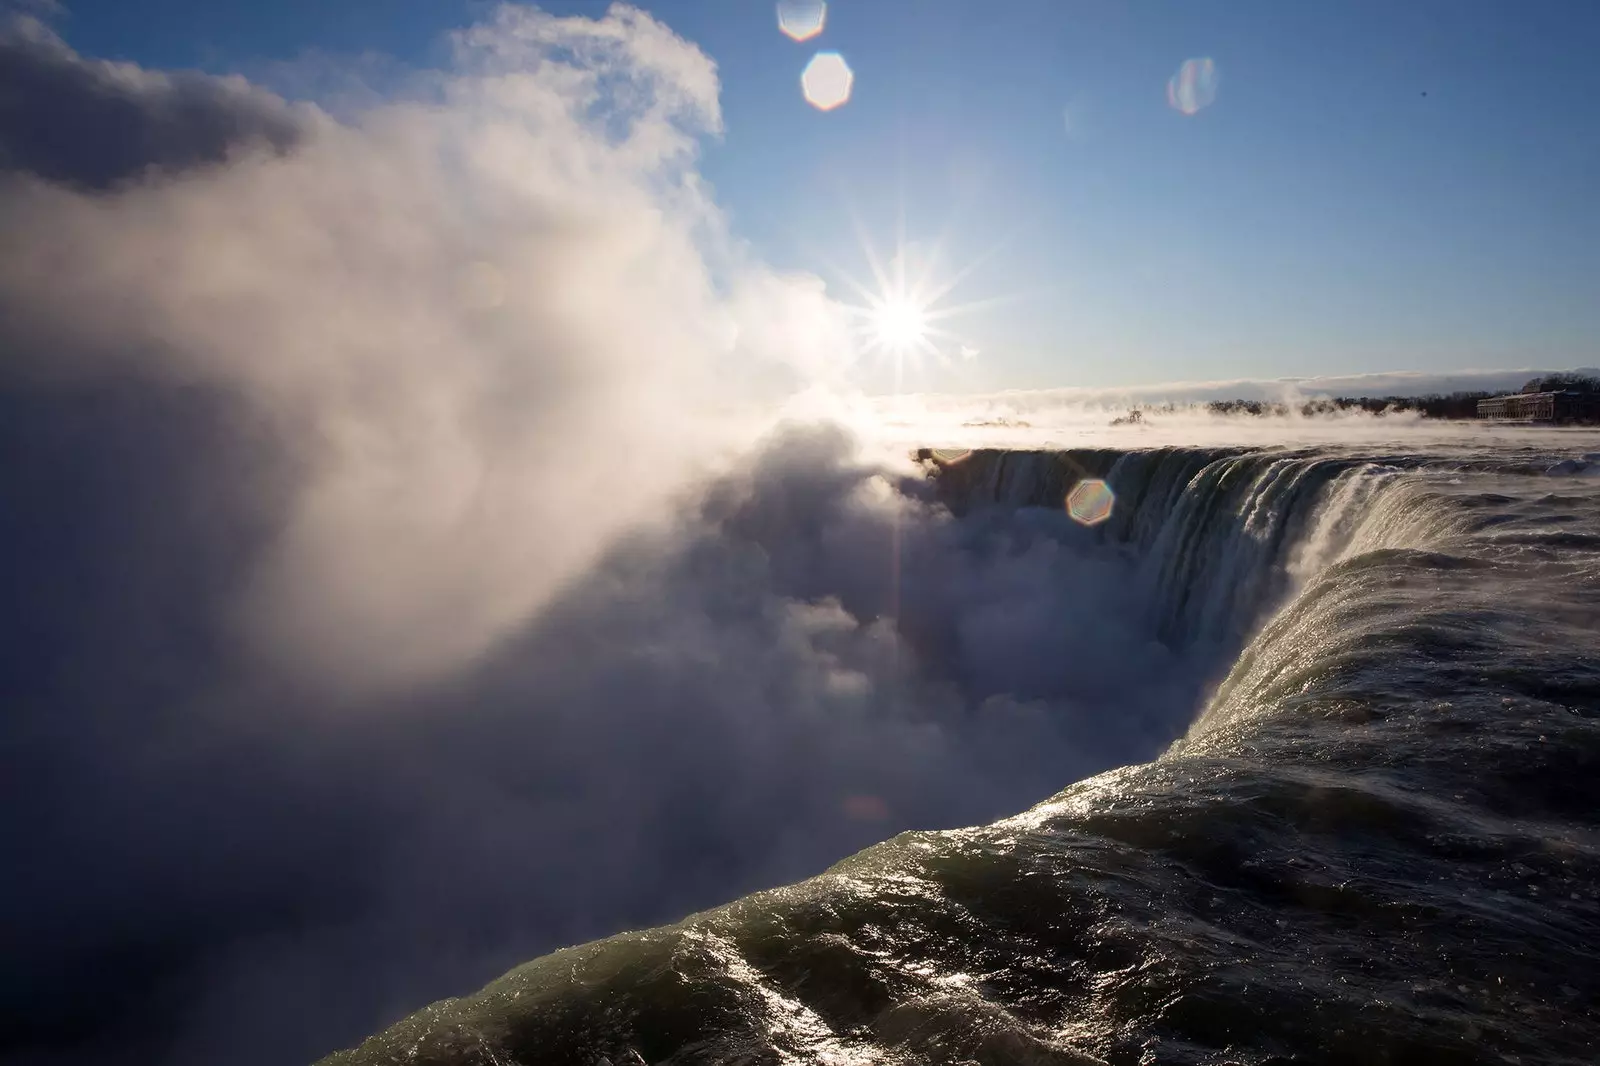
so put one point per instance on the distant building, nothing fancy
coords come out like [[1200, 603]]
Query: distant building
[[1547, 401]]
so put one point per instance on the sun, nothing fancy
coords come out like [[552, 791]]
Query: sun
[[901, 324]]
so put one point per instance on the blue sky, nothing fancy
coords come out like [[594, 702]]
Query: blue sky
[[1323, 215]]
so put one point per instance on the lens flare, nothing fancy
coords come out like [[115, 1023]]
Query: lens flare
[[826, 81], [1090, 501], [1193, 87], [801, 20]]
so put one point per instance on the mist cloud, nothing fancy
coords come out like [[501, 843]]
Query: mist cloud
[[94, 124], [1175, 414], [297, 417], [811, 656], [458, 318], [1065, 401]]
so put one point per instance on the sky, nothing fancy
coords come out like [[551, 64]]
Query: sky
[[1374, 187]]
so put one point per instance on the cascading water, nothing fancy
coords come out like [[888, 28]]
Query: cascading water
[[1376, 844], [1220, 535]]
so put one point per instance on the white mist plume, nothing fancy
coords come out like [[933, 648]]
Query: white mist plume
[[481, 325], [1176, 413]]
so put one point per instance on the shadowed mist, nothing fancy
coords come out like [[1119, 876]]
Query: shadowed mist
[[93, 124]]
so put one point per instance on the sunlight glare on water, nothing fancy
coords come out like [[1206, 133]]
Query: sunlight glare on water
[[826, 81], [1090, 501], [1193, 87], [801, 20]]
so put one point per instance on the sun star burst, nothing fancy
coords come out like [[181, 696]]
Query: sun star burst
[[902, 313]]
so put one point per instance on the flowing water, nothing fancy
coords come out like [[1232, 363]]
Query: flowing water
[[1377, 842]]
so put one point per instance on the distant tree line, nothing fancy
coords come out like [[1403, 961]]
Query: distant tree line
[[1571, 382], [1455, 405], [1433, 405]]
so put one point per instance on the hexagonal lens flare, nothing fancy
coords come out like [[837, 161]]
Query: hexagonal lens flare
[[801, 20], [1193, 87], [1090, 501], [826, 81]]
